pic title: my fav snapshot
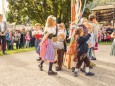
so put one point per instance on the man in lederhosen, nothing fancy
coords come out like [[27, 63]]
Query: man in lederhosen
[[3, 28]]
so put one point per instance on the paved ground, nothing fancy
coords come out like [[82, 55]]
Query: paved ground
[[21, 70]]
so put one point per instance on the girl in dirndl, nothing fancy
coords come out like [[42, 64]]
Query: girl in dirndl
[[113, 44], [47, 51]]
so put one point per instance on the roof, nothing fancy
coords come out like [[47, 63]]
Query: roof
[[105, 7]]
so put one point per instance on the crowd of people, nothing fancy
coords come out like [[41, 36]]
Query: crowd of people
[[51, 42], [22, 38], [54, 40], [16, 38], [104, 34]]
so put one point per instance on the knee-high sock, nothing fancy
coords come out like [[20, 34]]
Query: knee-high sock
[[50, 66], [42, 63]]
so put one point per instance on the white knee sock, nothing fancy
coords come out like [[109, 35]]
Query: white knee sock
[[74, 64], [76, 70], [87, 69]]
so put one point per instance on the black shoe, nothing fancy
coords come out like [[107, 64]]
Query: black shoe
[[52, 73], [82, 70], [58, 69], [39, 59], [40, 67], [89, 74], [75, 74], [73, 69], [93, 58]]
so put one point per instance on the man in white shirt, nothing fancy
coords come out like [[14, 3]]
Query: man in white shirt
[[3, 28]]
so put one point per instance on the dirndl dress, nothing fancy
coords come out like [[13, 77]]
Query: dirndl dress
[[113, 48], [47, 51]]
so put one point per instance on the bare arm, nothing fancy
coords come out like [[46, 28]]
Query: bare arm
[[113, 35], [44, 38]]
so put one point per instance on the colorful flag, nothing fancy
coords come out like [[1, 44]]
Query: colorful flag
[[73, 11]]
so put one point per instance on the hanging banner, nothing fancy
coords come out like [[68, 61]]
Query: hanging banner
[[73, 11]]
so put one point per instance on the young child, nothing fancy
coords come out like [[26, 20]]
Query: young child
[[108, 38], [27, 37], [91, 44], [17, 37], [8, 39], [11, 40], [62, 29], [47, 51], [82, 51], [105, 37], [59, 45], [38, 35]]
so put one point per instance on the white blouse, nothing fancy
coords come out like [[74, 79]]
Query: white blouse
[[51, 30], [2, 26]]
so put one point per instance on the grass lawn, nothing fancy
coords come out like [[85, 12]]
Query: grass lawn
[[18, 50], [104, 43], [100, 43], [33, 48]]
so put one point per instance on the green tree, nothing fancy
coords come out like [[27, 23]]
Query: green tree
[[39, 10]]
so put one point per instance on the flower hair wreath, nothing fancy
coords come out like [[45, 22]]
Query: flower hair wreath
[[54, 18]]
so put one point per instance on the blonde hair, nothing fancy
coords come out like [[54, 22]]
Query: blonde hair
[[27, 33], [62, 35], [37, 24], [88, 25], [49, 22], [62, 25]]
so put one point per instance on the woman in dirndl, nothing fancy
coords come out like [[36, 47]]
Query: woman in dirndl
[[47, 51], [113, 44]]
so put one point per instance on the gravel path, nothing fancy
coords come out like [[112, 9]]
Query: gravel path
[[21, 70]]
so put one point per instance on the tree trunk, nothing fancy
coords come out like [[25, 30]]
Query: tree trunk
[[45, 6]]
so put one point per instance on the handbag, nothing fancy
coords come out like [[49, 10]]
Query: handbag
[[96, 46]]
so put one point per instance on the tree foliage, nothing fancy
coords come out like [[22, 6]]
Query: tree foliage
[[38, 10]]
